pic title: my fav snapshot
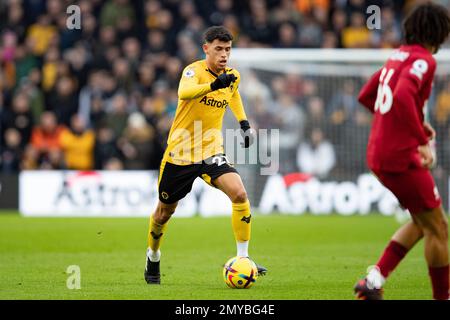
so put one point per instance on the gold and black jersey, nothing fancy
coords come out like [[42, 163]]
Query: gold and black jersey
[[196, 132]]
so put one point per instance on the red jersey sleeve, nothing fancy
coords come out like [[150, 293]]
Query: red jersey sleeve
[[368, 94], [412, 82], [428, 80]]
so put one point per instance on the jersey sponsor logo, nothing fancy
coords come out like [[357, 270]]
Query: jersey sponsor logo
[[189, 73], [213, 102]]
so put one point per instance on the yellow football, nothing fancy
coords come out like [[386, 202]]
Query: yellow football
[[240, 273]]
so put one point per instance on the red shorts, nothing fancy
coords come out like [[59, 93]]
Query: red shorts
[[415, 189]]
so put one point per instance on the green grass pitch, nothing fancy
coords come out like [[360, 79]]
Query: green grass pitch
[[308, 257]]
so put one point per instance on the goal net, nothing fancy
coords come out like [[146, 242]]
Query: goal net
[[310, 97]]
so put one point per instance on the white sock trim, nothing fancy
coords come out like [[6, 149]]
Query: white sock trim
[[242, 248], [153, 256], [374, 278]]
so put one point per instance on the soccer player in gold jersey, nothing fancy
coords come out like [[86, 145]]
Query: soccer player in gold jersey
[[195, 146]]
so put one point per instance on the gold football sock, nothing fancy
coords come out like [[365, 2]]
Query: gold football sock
[[155, 233], [241, 221]]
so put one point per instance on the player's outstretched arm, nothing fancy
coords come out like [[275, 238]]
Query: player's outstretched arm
[[368, 94], [237, 107], [189, 87]]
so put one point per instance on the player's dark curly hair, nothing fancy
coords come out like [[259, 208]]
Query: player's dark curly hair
[[217, 32], [427, 24]]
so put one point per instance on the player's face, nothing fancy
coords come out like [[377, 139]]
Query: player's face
[[217, 54]]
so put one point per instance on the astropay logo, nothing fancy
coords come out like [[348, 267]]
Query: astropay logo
[[214, 103], [91, 189], [298, 193]]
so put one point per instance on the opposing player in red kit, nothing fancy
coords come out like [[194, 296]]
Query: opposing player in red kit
[[399, 152]]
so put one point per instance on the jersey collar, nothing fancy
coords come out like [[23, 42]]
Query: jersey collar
[[212, 72], [417, 47]]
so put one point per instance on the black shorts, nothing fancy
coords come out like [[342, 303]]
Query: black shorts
[[175, 181]]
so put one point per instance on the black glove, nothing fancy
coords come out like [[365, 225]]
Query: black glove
[[247, 133], [224, 80]]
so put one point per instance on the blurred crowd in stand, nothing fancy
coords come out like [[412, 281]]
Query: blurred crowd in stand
[[104, 96]]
